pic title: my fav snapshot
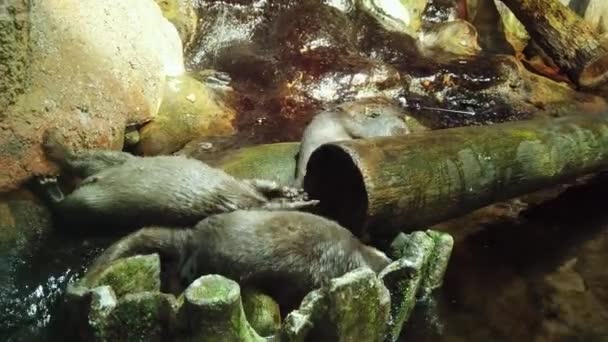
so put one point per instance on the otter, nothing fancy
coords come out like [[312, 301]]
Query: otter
[[283, 253], [366, 118], [123, 189]]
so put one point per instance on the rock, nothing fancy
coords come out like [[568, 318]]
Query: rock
[[357, 309], [14, 53], [438, 260], [312, 32], [262, 312], [222, 24], [143, 316], [275, 162], [453, 39], [570, 306], [214, 311], [402, 279], [422, 259], [346, 78], [403, 16], [487, 90], [182, 15], [93, 67], [135, 274], [514, 30], [24, 223], [300, 322], [189, 110]]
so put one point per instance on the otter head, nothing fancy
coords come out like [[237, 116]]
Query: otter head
[[372, 118]]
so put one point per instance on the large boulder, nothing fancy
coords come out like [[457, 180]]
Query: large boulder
[[87, 67]]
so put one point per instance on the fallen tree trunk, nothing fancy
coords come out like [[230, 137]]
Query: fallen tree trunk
[[384, 185], [566, 37]]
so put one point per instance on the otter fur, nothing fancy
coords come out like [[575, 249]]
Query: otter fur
[[122, 189], [284, 253], [366, 118]]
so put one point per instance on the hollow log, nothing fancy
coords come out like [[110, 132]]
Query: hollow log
[[566, 37], [384, 185]]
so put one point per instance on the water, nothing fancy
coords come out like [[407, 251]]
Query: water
[[32, 286]]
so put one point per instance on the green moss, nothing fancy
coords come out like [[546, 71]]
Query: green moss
[[262, 312], [214, 311], [269, 161], [358, 309], [138, 317], [130, 275]]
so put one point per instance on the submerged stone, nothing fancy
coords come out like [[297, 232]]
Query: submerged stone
[[23, 224]]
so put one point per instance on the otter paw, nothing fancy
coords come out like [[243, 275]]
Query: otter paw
[[285, 205], [294, 194]]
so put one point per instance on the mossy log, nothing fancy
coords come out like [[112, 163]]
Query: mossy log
[[563, 35], [275, 162], [384, 185]]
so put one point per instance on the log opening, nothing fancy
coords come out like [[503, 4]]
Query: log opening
[[377, 187], [333, 177]]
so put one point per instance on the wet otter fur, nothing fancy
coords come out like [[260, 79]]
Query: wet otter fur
[[284, 253], [366, 118], [120, 189]]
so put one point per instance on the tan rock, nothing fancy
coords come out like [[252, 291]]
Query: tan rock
[[91, 67], [189, 110]]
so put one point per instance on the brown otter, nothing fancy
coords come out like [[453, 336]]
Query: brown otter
[[366, 118], [285, 253], [123, 189]]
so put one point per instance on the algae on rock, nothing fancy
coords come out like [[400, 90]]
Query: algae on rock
[[129, 275], [214, 310], [262, 312]]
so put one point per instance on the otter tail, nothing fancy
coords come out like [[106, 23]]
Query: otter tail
[[168, 242]]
